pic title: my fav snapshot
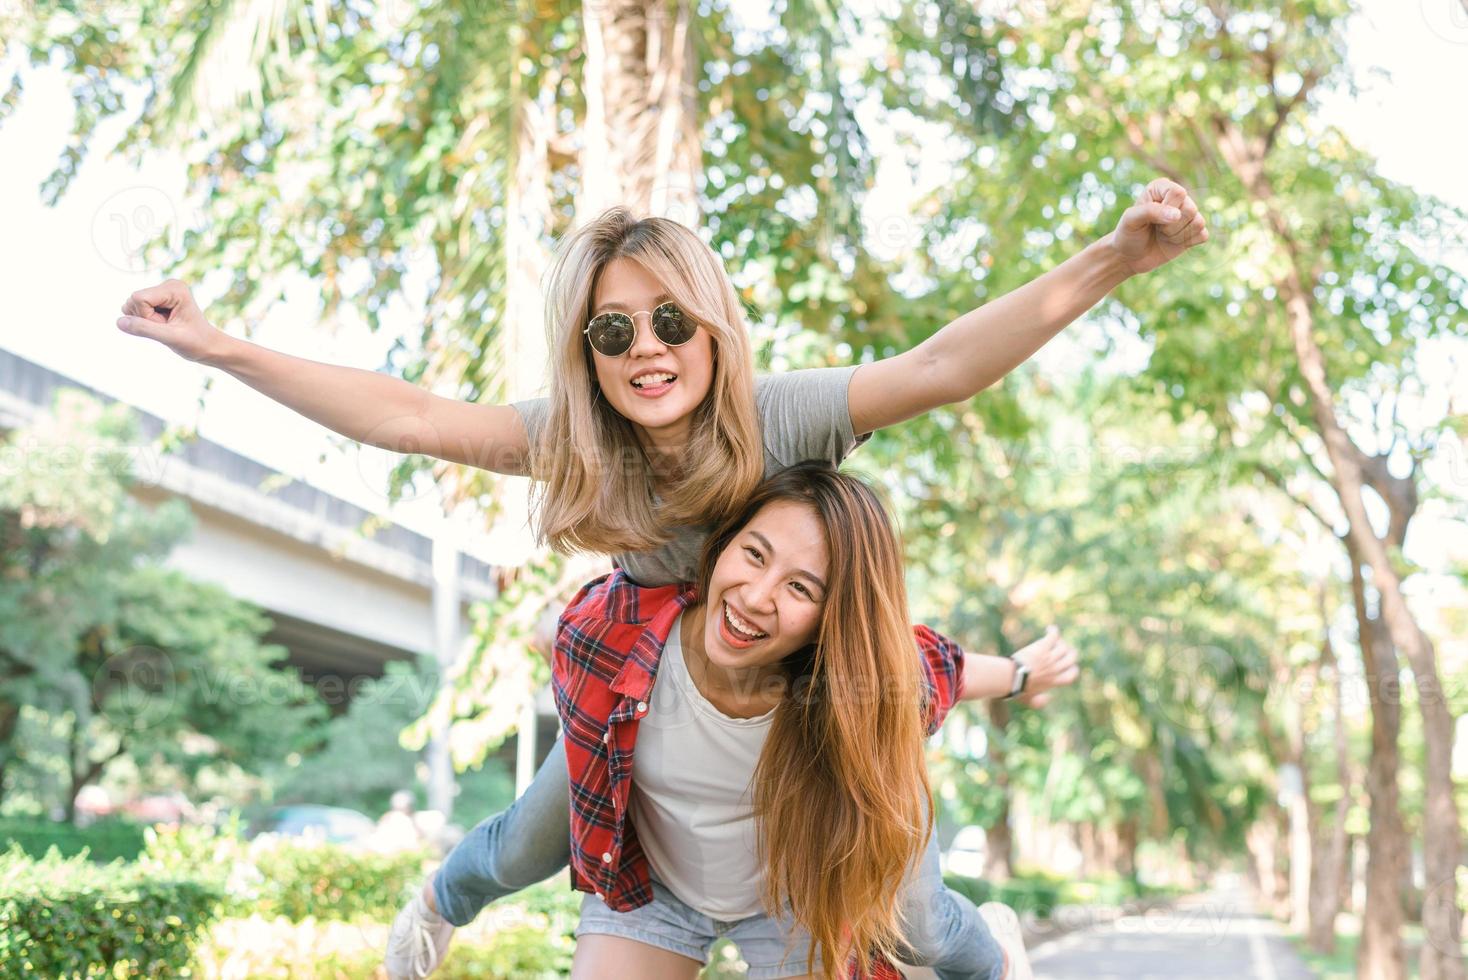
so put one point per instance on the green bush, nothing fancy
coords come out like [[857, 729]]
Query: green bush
[[329, 881], [106, 840], [1040, 893], [1104, 891], [520, 953], [528, 937], [554, 899], [219, 857], [66, 917], [283, 876], [1025, 895]]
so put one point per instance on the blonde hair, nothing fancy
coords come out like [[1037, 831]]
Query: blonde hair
[[841, 794], [593, 488]]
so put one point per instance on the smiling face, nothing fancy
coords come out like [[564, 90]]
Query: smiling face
[[768, 589], [654, 386]]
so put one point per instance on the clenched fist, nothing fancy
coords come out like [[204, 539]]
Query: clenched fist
[[1163, 224], [168, 314]]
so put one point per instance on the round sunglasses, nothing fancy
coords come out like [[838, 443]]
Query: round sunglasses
[[612, 334]]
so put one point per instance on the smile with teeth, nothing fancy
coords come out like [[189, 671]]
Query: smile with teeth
[[740, 627], [653, 380]]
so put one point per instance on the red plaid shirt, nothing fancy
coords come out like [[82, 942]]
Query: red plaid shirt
[[608, 645]]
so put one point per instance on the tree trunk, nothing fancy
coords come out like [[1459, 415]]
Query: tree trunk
[[9, 722], [1291, 900], [1264, 843], [1088, 842], [1126, 848], [83, 767], [1354, 875], [75, 757], [641, 130], [1188, 878], [527, 229], [999, 856], [1329, 869], [1300, 822], [1283, 890], [1381, 956]]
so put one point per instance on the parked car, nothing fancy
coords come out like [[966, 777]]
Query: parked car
[[335, 824]]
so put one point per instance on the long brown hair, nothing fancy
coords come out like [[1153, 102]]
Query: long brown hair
[[593, 489], [841, 791]]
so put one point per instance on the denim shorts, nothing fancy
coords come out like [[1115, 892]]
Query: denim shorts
[[773, 947]]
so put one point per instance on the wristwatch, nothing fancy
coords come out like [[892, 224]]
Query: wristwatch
[[1021, 678]]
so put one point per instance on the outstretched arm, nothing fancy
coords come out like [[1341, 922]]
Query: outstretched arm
[[983, 345], [366, 406], [950, 675], [1052, 663]]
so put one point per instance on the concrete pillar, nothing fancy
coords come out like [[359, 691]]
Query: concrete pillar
[[525, 747], [446, 640]]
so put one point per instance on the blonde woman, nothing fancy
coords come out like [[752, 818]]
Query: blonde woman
[[654, 429], [747, 750]]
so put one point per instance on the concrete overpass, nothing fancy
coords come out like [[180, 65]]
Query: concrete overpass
[[343, 602]]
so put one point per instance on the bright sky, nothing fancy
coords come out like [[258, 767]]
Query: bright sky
[[68, 269]]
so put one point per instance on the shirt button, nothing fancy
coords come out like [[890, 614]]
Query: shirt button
[[606, 737], [641, 707], [600, 897], [607, 857]]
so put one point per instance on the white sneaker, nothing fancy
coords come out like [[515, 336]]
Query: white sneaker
[[1004, 926], [417, 942]]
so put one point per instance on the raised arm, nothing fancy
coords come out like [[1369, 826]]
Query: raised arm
[[983, 345], [366, 406]]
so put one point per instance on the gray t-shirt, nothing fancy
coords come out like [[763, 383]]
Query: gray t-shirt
[[803, 415]]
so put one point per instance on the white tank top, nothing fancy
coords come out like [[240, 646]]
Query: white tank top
[[691, 799]]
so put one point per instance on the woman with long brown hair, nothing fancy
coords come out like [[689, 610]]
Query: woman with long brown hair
[[746, 750]]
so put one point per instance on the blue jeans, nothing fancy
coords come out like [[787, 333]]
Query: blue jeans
[[531, 841], [527, 843], [943, 929]]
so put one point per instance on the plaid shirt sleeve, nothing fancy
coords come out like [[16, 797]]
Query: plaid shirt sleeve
[[942, 661]]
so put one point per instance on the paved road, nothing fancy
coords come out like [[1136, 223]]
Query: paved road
[[1216, 936]]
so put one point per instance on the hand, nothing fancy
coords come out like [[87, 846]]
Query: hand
[[1052, 664], [1163, 224], [168, 314]]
